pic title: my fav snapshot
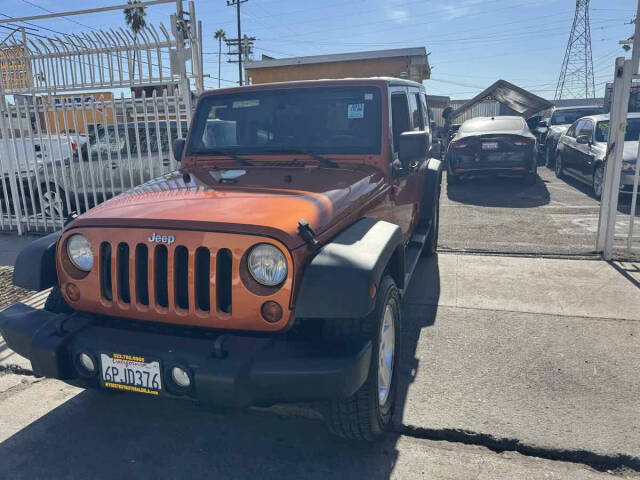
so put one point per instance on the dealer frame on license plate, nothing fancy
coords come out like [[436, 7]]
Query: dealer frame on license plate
[[489, 145], [132, 373]]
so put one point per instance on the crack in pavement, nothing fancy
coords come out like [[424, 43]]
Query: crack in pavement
[[16, 369], [601, 462]]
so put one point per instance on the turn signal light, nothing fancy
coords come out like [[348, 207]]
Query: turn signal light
[[460, 144], [271, 312]]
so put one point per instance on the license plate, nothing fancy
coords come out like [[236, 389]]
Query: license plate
[[490, 146], [131, 373]]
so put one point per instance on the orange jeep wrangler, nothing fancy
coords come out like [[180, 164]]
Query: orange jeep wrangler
[[270, 268]]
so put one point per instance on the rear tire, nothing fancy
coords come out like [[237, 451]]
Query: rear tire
[[367, 413], [54, 202], [56, 303], [559, 167]]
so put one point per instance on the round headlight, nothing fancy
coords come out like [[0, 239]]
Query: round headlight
[[267, 264], [80, 254]]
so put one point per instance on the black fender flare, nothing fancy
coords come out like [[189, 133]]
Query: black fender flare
[[35, 267], [337, 282], [431, 189]]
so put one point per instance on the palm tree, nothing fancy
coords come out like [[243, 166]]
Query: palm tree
[[134, 18], [219, 35]]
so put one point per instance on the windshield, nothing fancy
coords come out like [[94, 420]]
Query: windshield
[[567, 117], [492, 124], [344, 120], [631, 134]]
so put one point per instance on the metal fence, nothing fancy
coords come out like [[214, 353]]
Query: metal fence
[[64, 150], [81, 153]]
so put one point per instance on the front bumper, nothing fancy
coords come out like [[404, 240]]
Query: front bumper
[[226, 369]]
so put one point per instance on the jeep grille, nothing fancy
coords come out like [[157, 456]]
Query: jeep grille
[[160, 276]]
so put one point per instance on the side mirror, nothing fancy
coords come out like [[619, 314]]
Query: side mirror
[[413, 146], [543, 124], [583, 139], [178, 147]]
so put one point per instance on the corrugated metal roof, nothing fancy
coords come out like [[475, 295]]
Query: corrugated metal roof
[[518, 99]]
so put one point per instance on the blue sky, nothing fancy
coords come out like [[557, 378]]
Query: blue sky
[[472, 43]]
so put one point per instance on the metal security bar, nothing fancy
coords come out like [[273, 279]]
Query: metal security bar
[[82, 152], [63, 150]]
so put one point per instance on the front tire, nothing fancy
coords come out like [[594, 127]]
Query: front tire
[[597, 181], [367, 413], [549, 155], [431, 244]]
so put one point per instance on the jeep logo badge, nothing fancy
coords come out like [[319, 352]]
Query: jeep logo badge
[[155, 238]]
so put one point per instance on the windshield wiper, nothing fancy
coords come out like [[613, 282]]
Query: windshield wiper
[[239, 160], [324, 161]]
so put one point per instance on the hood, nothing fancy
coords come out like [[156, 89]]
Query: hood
[[557, 130], [255, 200]]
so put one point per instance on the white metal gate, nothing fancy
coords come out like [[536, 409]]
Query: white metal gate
[[616, 226], [65, 150]]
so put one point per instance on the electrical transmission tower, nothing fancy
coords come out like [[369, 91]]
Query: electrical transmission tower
[[576, 76]]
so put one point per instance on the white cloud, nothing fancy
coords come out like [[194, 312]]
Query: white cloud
[[398, 16], [459, 9]]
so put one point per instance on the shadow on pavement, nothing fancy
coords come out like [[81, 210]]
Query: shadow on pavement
[[499, 192], [111, 435], [420, 306], [627, 272]]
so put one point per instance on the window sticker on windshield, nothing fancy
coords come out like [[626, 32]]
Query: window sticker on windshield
[[355, 110], [246, 103], [368, 96]]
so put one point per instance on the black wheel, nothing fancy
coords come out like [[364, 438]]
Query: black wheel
[[367, 413], [56, 303], [53, 202], [452, 179], [597, 181], [559, 168], [431, 244]]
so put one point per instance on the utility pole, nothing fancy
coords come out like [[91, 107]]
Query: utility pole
[[237, 4], [244, 48]]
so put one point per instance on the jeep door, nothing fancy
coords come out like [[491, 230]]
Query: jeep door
[[405, 116]]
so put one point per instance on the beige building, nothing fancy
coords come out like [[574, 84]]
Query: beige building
[[411, 63]]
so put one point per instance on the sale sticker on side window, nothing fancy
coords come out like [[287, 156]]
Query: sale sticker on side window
[[355, 110]]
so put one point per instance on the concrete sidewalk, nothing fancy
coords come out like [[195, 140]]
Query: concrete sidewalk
[[530, 356], [540, 353], [579, 288]]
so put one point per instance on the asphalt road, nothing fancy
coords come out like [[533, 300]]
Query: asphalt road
[[553, 216]]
